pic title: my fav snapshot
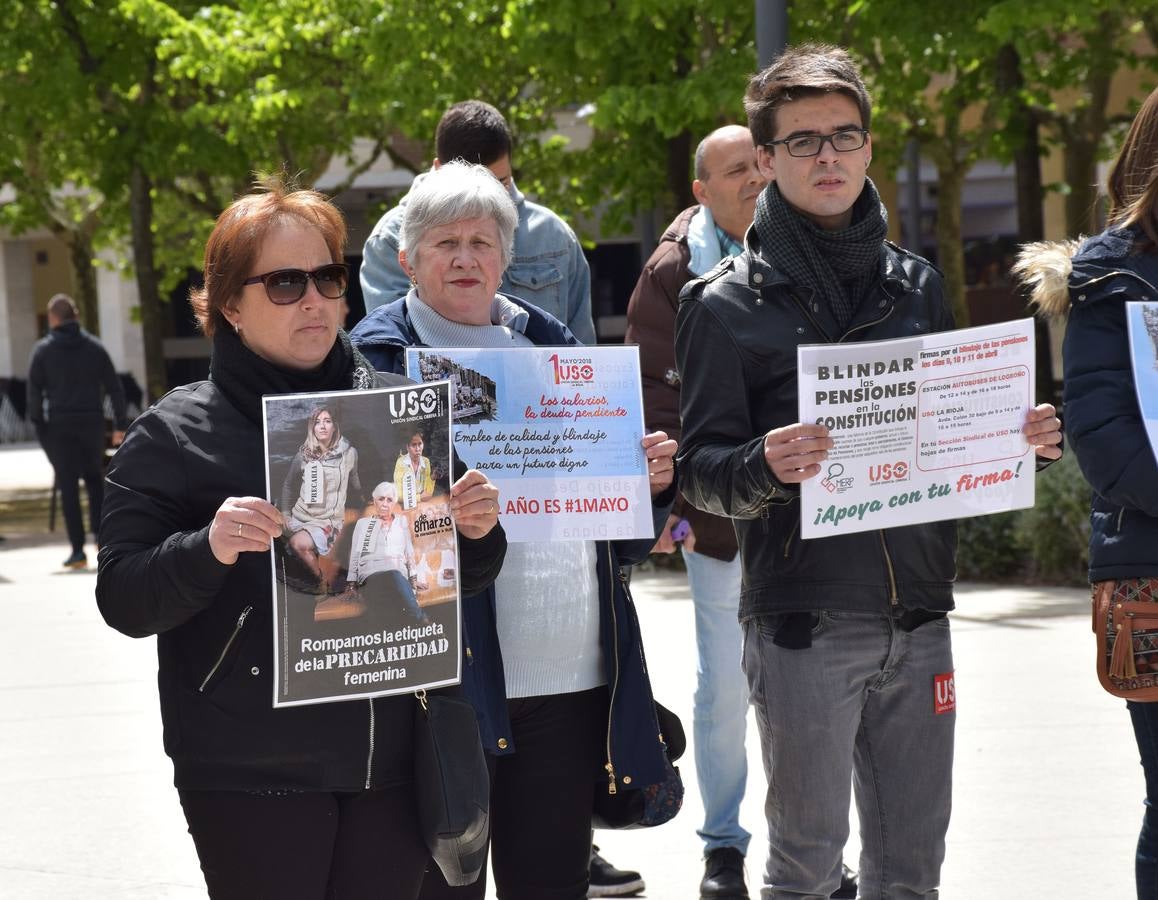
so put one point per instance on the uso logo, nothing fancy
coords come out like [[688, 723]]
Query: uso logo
[[420, 401], [572, 371], [898, 471]]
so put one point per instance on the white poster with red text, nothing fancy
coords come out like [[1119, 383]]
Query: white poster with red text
[[925, 428], [557, 429]]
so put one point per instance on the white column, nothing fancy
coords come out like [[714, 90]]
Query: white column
[[17, 308], [117, 302]]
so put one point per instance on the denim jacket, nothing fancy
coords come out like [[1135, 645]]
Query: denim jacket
[[548, 270]]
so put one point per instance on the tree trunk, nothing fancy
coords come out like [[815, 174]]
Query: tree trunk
[[679, 183], [1024, 124], [141, 216], [1081, 161], [1083, 136], [1031, 227], [80, 254], [950, 249]]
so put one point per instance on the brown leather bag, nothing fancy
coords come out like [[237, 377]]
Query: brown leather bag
[[1126, 624]]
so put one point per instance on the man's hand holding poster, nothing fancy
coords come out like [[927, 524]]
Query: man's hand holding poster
[[924, 428], [365, 576], [558, 431]]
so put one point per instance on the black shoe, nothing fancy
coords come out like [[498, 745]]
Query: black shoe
[[608, 881], [724, 875], [848, 884], [77, 561]]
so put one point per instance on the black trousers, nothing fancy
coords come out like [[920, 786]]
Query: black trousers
[[306, 845], [76, 452], [541, 801]]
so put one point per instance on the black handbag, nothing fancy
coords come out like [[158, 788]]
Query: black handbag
[[651, 804], [451, 786]]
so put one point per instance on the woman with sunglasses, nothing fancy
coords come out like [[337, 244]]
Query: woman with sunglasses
[[321, 484], [306, 801], [554, 662]]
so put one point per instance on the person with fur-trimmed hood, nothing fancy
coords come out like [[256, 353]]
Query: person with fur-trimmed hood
[[1091, 281]]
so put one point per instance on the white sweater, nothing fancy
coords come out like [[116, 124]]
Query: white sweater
[[547, 595]]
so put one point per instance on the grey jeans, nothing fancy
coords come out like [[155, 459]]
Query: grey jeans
[[871, 705]]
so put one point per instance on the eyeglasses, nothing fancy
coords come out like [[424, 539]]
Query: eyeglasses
[[286, 286], [811, 144]]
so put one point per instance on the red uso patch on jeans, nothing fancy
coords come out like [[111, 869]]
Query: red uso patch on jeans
[[944, 693]]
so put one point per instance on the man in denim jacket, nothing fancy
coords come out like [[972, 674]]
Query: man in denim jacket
[[548, 271]]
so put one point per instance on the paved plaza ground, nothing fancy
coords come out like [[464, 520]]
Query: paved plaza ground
[[1047, 788]]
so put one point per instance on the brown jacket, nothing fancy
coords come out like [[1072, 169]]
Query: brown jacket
[[651, 316]]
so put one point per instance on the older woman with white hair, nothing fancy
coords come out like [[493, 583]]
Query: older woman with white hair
[[382, 565], [554, 661]]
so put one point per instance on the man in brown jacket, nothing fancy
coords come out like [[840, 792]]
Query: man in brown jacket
[[727, 184]]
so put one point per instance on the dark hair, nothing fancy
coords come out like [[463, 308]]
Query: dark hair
[[238, 235], [807, 70], [62, 307], [473, 131], [1133, 179]]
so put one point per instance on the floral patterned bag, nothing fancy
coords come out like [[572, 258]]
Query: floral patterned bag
[[1126, 624]]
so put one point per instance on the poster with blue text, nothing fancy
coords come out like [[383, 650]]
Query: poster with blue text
[[1142, 319], [557, 429], [925, 428]]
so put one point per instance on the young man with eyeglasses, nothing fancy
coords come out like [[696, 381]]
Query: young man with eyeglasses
[[844, 637]]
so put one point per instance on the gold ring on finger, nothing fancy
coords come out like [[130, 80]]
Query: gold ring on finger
[[239, 527]]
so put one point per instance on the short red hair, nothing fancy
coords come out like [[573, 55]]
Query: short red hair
[[239, 233]]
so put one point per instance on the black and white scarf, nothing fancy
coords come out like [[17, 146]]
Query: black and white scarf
[[839, 266]]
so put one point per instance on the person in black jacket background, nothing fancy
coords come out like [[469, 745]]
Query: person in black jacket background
[[308, 801], [68, 373]]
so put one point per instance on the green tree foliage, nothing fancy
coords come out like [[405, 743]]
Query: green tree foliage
[[1071, 54], [46, 147], [655, 77], [932, 78], [134, 122]]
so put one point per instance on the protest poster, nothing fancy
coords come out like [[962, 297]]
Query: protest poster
[[558, 431], [365, 586], [924, 428], [1142, 323]]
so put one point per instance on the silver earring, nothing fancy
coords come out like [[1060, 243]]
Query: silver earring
[[237, 329]]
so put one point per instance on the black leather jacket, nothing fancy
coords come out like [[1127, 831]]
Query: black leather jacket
[[736, 339], [181, 458]]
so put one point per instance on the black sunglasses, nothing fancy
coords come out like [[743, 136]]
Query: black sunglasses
[[286, 286]]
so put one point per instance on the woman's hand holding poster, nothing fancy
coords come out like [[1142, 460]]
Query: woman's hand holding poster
[[558, 431], [924, 428]]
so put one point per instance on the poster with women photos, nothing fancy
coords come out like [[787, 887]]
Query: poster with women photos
[[365, 574], [1142, 322]]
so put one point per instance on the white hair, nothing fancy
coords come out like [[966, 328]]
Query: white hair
[[458, 190], [383, 489]]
